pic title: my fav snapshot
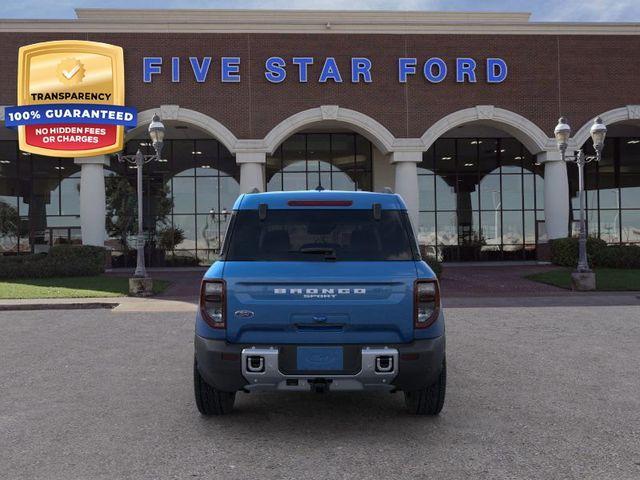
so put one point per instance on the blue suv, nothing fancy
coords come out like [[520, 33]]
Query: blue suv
[[317, 291]]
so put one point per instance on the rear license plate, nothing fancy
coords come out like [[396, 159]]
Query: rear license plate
[[320, 358]]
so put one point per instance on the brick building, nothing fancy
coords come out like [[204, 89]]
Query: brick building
[[454, 111]]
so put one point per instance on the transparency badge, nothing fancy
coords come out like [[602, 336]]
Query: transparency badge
[[70, 99]]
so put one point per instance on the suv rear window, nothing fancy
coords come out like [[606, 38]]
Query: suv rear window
[[319, 235]]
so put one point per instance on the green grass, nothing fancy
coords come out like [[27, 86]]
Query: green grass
[[71, 287], [607, 279]]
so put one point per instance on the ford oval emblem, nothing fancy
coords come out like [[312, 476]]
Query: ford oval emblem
[[244, 313]]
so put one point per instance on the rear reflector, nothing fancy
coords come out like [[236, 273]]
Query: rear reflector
[[319, 203]]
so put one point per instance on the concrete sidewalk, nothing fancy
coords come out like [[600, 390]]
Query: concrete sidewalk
[[161, 303], [463, 286], [118, 304]]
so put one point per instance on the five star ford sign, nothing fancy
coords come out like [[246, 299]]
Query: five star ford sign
[[71, 99]]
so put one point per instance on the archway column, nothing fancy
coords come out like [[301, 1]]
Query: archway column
[[406, 181], [93, 209], [251, 170], [556, 194]]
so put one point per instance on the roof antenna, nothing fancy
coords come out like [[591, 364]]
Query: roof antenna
[[319, 188], [387, 190], [254, 190]]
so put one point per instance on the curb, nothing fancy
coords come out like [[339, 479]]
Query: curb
[[57, 306]]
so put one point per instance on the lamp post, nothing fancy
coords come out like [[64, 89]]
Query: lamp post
[[583, 278], [156, 133]]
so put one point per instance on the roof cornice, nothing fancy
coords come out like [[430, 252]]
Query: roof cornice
[[307, 21]]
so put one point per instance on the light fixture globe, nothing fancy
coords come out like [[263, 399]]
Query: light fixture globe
[[598, 133], [562, 133], [156, 130]]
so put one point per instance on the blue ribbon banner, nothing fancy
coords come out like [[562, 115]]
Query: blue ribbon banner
[[70, 113]]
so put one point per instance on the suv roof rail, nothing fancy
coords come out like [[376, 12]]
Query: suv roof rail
[[387, 190]]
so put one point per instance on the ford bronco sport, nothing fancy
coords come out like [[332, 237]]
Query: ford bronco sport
[[316, 291]]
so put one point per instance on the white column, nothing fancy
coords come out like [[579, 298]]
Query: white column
[[406, 166], [556, 195], [93, 208], [251, 170]]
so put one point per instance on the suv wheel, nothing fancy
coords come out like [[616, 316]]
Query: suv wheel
[[429, 400], [209, 400]]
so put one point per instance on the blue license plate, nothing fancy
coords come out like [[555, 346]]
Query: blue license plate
[[320, 358]]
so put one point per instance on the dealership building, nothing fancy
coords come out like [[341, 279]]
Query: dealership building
[[453, 111]]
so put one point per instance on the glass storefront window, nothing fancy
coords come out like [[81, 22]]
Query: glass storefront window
[[609, 225], [200, 180], [447, 233], [612, 191], [426, 187], [305, 161], [630, 190], [183, 194], [630, 224], [487, 195], [490, 193], [512, 192], [70, 195], [207, 195], [445, 195]]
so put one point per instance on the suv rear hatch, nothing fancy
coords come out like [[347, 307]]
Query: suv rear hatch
[[319, 276], [313, 302]]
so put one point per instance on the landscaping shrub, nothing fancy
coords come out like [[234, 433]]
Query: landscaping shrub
[[618, 256], [428, 256], [181, 261], [61, 261], [564, 252], [435, 265]]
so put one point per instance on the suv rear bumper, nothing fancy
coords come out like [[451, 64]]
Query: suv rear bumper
[[224, 366]]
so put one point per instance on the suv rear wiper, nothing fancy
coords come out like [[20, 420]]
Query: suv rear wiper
[[330, 253]]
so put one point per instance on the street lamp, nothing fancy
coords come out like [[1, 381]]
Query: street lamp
[[598, 132], [156, 133]]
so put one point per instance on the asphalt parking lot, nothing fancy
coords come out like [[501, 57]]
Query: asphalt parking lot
[[537, 392]]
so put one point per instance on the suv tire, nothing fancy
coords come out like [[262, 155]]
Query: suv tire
[[209, 400], [429, 400]]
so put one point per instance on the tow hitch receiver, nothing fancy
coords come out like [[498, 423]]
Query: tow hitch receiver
[[319, 385], [384, 364], [255, 364]]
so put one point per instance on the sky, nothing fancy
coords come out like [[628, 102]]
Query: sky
[[542, 10]]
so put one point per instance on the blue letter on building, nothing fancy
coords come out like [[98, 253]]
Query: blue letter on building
[[406, 66], [330, 71], [360, 67], [200, 71], [496, 70], [428, 70], [303, 64], [175, 69], [465, 67], [230, 70], [275, 69], [151, 66]]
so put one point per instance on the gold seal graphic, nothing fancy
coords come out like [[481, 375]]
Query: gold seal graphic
[[70, 71], [49, 71]]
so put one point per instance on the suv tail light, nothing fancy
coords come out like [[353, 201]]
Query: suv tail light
[[212, 302], [426, 302]]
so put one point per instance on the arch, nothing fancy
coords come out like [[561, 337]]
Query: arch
[[197, 119], [622, 114], [358, 122], [527, 132]]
